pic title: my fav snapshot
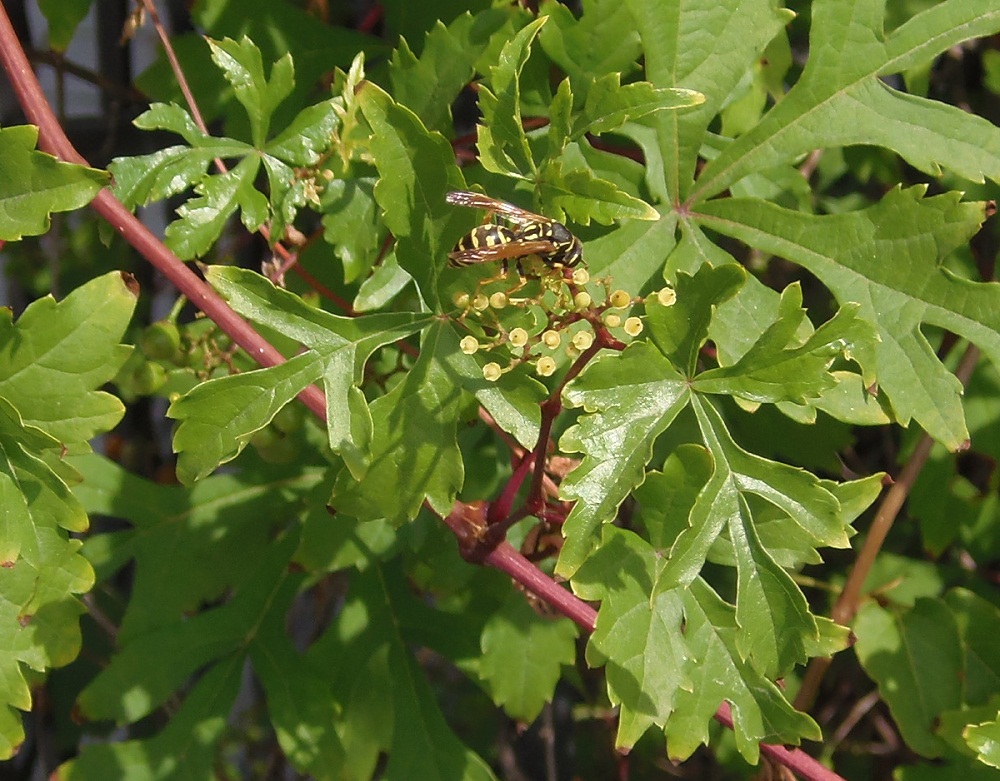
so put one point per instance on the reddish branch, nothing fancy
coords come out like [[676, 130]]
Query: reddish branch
[[468, 521]]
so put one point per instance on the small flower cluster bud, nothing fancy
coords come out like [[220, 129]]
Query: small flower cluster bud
[[620, 299], [492, 371], [545, 366], [633, 326], [582, 340], [666, 296], [518, 337]]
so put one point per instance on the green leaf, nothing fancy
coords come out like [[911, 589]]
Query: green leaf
[[977, 619], [667, 497], [638, 636], [224, 525], [843, 99], [907, 287], [152, 665], [309, 134], [609, 105], [717, 672], [774, 620], [243, 67], [351, 225], [503, 145], [63, 17], [300, 703], [428, 85], [57, 355], [776, 368], [795, 492], [585, 197], [414, 452], [522, 656], [416, 170], [631, 397], [681, 330], [219, 417], [186, 748], [396, 699], [984, 739], [709, 49], [33, 184], [203, 218], [42, 568], [915, 657], [602, 40]]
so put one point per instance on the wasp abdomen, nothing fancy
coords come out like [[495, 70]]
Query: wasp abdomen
[[480, 238]]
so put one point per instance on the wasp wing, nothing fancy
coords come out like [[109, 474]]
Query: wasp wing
[[519, 248], [508, 211]]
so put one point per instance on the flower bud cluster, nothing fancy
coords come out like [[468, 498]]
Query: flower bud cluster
[[549, 316]]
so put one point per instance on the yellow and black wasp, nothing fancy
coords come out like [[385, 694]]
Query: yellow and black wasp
[[526, 234]]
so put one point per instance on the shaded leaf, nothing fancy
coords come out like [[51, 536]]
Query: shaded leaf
[[522, 656], [186, 748], [416, 170], [503, 145], [219, 417], [414, 452], [915, 657]]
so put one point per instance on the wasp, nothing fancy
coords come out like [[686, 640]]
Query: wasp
[[525, 234]]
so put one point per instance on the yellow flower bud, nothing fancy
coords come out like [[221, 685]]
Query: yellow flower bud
[[582, 299], [518, 337], [666, 296], [620, 299], [545, 366], [480, 303], [582, 340], [498, 300], [551, 339], [469, 345], [611, 320], [492, 371], [460, 299], [581, 276], [633, 326]]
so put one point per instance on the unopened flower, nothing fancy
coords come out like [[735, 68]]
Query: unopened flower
[[480, 303], [492, 371], [581, 276], [611, 320], [666, 296], [582, 299], [518, 337], [545, 366], [498, 300], [469, 345], [461, 299], [582, 340], [620, 299], [551, 339], [633, 326]]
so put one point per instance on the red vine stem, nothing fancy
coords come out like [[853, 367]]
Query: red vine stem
[[503, 557]]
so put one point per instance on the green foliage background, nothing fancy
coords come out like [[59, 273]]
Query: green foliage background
[[811, 183]]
